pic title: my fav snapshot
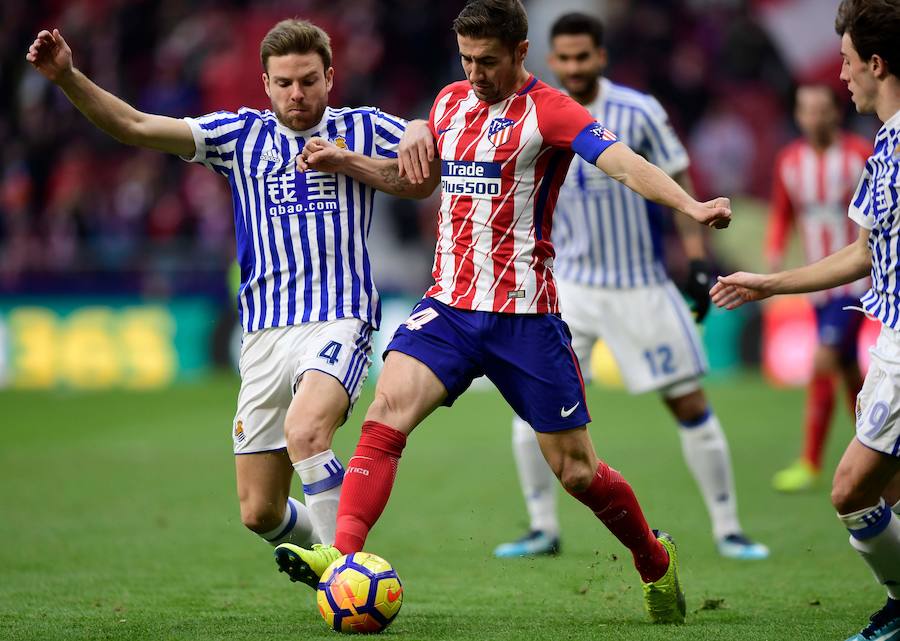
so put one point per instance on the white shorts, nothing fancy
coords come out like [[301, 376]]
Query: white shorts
[[272, 362], [649, 330], [878, 402]]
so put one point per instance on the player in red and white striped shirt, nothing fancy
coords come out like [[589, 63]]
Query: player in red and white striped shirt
[[505, 141], [815, 177], [493, 251]]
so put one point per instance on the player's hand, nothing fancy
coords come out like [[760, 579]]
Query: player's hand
[[416, 152], [321, 155], [738, 288], [697, 287], [713, 213], [50, 55]]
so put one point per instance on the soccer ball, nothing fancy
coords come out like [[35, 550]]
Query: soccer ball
[[359, 592]]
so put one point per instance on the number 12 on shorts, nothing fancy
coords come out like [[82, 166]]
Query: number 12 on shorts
[[660, 360]]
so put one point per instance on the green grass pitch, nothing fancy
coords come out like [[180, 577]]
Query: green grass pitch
[[118, 520]]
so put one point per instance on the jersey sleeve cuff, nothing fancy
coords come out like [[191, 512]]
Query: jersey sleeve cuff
[[199, 141], [592, 141], [858, 216]]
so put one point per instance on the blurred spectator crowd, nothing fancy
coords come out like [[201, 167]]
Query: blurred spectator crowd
[[79, 209]]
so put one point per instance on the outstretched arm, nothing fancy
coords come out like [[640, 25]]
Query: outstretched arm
[[651, 182], [381, 173], [844, 266], [52, 57]]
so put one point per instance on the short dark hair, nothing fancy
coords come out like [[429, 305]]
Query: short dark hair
[[505, 20], [295, 36], [874, 29], [576, 24]]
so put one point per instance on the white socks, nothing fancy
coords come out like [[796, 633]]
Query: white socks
[[706, 454], [322, 476], [875, 534], [295, 527], [536, 479]]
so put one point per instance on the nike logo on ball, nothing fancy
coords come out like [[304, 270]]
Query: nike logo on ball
[[393, 596], [565, 413]]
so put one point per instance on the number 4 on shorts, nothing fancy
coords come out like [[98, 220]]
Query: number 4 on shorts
[[330, 352], [419, 319]]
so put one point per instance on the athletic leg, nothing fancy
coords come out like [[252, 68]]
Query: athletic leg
[[407, 392], [536, 479], [431, 360], [867, 473], [608, 495], [262, 466], [706, 453], [861, 479], [318, 408], [836, 354], [820, 397], [539, 488], [263, 487]]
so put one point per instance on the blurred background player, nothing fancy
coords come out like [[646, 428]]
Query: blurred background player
[[505, 141], [814, 178], [866, 488], [613, 284], [307, 302]]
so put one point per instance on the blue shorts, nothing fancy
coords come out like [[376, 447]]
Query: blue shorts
[[528, 357], [838, 327]]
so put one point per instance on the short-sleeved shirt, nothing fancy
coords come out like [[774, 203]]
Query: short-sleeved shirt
[[876, 206], [810, 190], [502, 165], [605, 234], [301, 237]]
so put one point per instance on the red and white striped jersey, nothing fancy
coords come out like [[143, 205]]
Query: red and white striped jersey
[[502, 165], [812, 190]]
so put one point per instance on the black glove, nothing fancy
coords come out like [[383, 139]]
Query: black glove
[[697, 288]]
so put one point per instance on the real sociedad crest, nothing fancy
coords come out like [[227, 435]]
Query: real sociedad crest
[[500, 131]]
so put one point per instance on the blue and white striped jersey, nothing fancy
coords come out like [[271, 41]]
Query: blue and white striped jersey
[[605, 234], [876, 206], [301, 237]]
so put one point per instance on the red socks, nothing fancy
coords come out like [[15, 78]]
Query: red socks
[[819, 406], [613, 501], [367, 484]]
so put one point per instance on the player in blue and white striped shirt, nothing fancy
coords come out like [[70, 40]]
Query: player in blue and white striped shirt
[[307, 302], [612, 283], [866, 490]]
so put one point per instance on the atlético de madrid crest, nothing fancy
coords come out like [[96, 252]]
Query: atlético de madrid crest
[[500, 130]]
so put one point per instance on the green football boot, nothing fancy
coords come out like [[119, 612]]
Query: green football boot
[[663, 598], [800, 476], [305, 565]]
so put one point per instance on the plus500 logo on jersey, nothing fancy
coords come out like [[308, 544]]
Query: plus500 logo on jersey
[[470, 178]]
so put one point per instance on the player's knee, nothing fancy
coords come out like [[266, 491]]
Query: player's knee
[[382, 408], [847, 497], [689, 407], [575, 476], [259, 517], [310, 434], [304, 442]]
